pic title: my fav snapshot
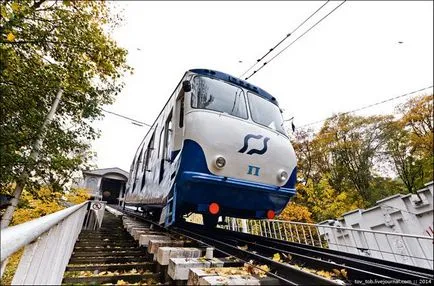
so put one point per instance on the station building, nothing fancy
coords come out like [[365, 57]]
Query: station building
[[106, 184]]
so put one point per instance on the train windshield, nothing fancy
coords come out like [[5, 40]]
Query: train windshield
[[265, 113], [208, 93]]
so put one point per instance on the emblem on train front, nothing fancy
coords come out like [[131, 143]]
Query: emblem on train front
[[253, 170], [254, 151]]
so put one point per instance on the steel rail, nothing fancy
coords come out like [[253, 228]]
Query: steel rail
[[286, 274], [404, 271], [358, 267], [357, 270]]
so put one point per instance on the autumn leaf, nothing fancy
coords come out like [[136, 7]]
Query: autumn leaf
[[265, 269], [15, 6], [325, 274], [10, 37], [344, 273], [121, 282], [276, 257]]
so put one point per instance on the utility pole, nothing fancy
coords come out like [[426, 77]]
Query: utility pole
[[36, 146]]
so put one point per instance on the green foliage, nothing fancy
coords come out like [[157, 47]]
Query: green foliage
[[46, 46], [325, 202], [34, 205], [410, 144], [347, 164], [11, 267]]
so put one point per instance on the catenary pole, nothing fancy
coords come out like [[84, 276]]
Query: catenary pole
[[36, 146]]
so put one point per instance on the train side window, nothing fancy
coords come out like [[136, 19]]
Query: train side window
[[161, 143], [145, 162], [166, 144], [137, 166], [168, 137], [181, 111], [147, 159]]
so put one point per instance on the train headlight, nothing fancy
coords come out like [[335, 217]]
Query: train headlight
[[220, 162], [282, 176]]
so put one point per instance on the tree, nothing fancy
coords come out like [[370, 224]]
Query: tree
[[410, 142], [353, 143], [347, 163], [296, 212], [417, 117], [325, 202], [48, 46]]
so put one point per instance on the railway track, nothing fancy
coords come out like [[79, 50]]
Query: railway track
[[297, 264], [349, 268]]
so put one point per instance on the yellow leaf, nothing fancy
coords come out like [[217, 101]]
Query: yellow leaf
[[121, 282], [15, 6], [264, 268], [325, 274], [276, 257], [344, 273], [10, 37]]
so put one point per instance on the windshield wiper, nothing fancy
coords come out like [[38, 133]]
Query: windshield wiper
[[236, 96]]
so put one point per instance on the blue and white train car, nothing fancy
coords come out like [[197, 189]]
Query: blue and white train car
[[218, 148]]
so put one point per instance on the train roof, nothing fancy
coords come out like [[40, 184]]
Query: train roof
[[234, 80]]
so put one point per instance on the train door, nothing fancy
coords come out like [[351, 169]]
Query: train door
[[146, 167], [166, 145], [178, 123]]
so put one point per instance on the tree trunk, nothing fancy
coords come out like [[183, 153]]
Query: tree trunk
[[21, 182]]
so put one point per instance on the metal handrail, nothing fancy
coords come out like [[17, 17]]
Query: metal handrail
[[353, 240], [354, 229], [15, 237]]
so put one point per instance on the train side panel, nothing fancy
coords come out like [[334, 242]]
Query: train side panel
[[154, 167]]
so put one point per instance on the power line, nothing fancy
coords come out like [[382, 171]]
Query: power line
[[367, 106], [134, 121], [263, 65], [286, 37]]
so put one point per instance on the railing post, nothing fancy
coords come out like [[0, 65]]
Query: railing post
[[45, 258]]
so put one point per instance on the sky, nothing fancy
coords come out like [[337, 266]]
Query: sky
[[362, 53]]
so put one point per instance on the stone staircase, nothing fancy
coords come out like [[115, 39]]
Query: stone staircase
[[109, 255]]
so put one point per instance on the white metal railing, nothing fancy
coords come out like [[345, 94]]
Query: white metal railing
[[48, 243], [399, 247]]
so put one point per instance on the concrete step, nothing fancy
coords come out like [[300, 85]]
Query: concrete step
[[130, 278], [106, 240], [105, 244], [94, 260], [110, 253], [112, 267], [101, 248]]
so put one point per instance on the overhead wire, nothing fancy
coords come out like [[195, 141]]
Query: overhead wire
[[134, 121], [366, 107], [313, 26], [140, 123], [286, 37]]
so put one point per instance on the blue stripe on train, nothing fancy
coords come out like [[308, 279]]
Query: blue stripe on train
[[240, 198]]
